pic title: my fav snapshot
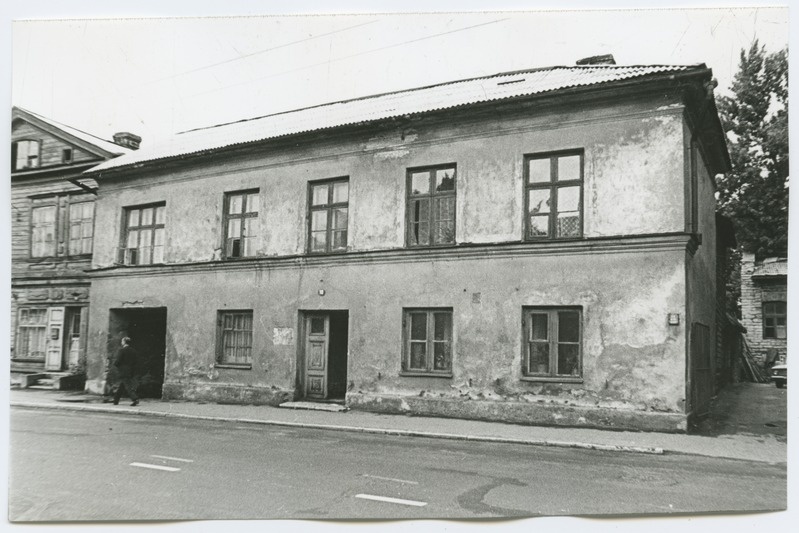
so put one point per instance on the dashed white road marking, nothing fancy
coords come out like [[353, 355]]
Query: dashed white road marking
[[156, 467], [172, 458], [391, 479], [390, 500]]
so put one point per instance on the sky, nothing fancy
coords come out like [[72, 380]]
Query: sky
[[158, 76], [105, 67]]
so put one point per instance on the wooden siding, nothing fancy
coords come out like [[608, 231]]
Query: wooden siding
[[21, 261], [51, 151]]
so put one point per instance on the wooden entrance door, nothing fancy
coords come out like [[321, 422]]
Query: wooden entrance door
[[317, 344], [702, 375], [55, 339]]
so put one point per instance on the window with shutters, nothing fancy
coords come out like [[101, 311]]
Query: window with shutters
[[144, 238], [81, 227], [43, 231], [553, 343], [61, 226], [774, 320], [328, 211], [553, 196], [427, 337], [241, 223], [234, 339], [431, 197]]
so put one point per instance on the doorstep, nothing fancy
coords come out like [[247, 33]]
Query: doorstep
[[314, 406]]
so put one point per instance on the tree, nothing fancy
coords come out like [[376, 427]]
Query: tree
[[754, 194]]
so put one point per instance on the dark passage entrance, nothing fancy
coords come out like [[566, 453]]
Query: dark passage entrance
[[147, 329], [324, 366]]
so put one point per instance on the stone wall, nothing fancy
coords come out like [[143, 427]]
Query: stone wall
[[754, 292]]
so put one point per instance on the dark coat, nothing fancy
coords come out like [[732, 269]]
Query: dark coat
[[127, 362]]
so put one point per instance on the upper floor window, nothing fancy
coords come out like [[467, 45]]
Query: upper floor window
[[774, 320], [62, 226], [553, 342], [328, 210], [66, 155], [431, 205], [25, 154], [241, 220], [427, 341], [43, 231], [81, 227], [144, 235], [553, 195]]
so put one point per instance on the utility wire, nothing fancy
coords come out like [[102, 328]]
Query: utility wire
[[258, 52], [283, 73]]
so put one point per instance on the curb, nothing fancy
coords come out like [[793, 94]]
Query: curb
[[354, 429]]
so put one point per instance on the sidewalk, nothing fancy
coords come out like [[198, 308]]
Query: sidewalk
[[763, 448]]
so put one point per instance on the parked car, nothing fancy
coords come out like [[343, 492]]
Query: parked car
[[779, 375]]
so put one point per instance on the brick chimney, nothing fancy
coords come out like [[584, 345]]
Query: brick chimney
[[128, 140], [606, 59]]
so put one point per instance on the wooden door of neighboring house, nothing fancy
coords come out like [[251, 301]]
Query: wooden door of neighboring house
[[54, 353]]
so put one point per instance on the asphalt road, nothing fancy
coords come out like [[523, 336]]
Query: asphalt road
[[81, 467]]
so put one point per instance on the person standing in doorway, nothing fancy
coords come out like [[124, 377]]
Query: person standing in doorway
[[127, 365]]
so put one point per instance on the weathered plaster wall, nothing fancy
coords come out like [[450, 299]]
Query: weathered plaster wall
[[632, 359], [701, 271], [633, 181]]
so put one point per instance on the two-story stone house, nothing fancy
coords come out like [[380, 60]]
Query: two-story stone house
[[534, 246], [52, 235]]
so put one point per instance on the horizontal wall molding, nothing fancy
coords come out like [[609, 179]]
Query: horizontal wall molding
[[678, 242], [49, 282]]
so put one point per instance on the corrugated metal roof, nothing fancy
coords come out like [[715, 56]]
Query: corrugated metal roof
[[767, 268], [372, 108], [108, 146]]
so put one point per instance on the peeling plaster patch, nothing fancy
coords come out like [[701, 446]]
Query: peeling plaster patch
[[662, 119], [210, 372], [283, 336], [393, 154]]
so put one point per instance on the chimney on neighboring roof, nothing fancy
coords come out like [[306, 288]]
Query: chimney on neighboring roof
[[128, 140], [606, 59]]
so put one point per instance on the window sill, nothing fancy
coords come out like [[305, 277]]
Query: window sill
[[553, 379], [555, 239], [404, 374], [232, 366]]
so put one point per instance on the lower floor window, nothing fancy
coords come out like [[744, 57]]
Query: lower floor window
[[553, 342], [32, 333], [234, 338], [428, 341]]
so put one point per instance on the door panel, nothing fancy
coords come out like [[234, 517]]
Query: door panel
[[55, 339], [317, 340]]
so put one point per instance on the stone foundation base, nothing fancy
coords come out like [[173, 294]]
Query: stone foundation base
[[226, 393], [535, 414]]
